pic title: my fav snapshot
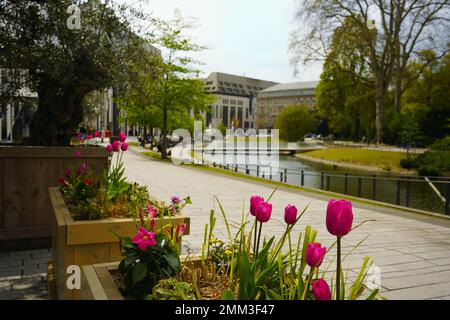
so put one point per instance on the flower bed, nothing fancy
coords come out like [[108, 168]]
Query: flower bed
[[247, 266], [90, 215]]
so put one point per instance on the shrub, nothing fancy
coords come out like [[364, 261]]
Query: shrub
[[430, 171], [294, 122]]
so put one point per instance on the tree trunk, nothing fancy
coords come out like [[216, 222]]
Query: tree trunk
[[164, 135], [380, 96], [57, 119]]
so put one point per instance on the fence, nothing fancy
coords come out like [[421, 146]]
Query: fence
[[425, 193]]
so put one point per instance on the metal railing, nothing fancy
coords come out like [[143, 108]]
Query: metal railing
[[407, 189]]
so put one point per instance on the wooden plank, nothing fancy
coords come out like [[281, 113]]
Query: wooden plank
[[25, 232], [91, 286], [50, 152], [105, 230]]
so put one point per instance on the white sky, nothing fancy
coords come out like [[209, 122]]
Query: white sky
[[248, 37]]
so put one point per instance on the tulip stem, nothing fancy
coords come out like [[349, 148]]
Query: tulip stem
[[254, 237], [338, 269], [259, 239]]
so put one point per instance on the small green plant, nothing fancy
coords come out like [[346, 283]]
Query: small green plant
[[172, 289]]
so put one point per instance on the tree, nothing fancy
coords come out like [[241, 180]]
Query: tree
[[402, 26], [64, 64], [294, 122], [177, 88], [344, 99]]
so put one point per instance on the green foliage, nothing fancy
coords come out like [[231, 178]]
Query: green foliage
[[294, 122], [64, 65], [222, 128], [142, 270], [344, 98], [172, 289], [435, 161]]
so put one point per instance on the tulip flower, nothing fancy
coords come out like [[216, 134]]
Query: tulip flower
[[124, 147], [122, 137], [115, 145], [181, 228], [315, 254], [144, 239], [109, 148], [321, 290], [339, 217], [263, 212], [67, 172], [339, 223], [77, 153], [88, 181], [254, 202], [61, 180], [82, 168], [290, 214], [88, 137], [97, 134], [152, 212]]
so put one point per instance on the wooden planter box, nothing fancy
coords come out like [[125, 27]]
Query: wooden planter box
[[26, 173], [88, 242], [97, 282]]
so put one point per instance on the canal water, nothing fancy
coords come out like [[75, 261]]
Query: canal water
[[421, 195]]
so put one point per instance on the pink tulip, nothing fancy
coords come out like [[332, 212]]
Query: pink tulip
[[263, 211], [321, 290], [152, 212], [339, 217], [124, 147], [181, 228], [88, 137], [61, 180], [67, 172], [115, 145], [109, 148], [82, 168], [254, 202], [315, 254], [77, 153], [144, 239], [97, 134], [290, 214], [122, 137]]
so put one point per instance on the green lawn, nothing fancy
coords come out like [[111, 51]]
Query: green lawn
[[381, 159]]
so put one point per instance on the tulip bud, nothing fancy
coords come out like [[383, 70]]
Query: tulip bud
[[290, 214], [254, 202], [124, 147], [122, 137], [263, 211], [115, 145], [339, 217], [315, 254], [109, 148], [321, 290]]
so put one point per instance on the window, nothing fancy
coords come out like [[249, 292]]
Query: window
[[232, 101], [225, 101], [225, 115]]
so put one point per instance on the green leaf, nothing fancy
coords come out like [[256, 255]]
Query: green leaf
[[227, 295], [173, 262], [372, 295], [139, 272]]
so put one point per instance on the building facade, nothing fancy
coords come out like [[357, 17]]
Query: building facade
[[235, 105], [271, 101]]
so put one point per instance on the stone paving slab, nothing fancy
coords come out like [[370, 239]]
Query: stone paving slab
[[412, 251], [23, 275]]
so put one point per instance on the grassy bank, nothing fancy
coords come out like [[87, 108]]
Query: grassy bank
[[384, 160]]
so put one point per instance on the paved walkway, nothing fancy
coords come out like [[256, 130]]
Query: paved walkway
[[413, 252]]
